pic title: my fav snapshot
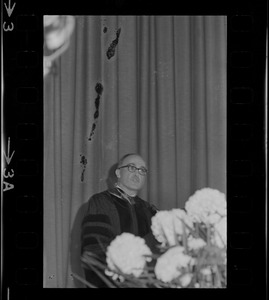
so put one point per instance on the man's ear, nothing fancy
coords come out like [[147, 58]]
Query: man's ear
[[117, 172]]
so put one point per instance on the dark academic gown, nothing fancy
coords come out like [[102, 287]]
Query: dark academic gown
[[110, 213]]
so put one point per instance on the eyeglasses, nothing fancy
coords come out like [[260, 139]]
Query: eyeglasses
[[131, 168]]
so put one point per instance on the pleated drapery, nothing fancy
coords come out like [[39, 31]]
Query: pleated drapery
[[155, 85]]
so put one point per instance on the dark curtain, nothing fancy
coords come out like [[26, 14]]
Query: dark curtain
[[155, 85]]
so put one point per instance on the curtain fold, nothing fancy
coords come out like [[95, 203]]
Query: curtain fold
[[149, 84]]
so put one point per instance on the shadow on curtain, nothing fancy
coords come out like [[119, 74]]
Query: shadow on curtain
[[155, 85]]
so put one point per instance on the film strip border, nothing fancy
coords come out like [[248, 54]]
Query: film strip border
[[22, 175], [246, 109], [22, 150]]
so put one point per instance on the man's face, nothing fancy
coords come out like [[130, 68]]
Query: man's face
[[131, 181]]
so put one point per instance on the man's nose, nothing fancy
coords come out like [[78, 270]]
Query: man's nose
[[136, 173]]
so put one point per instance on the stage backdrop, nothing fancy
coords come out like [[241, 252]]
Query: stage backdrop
[[155, 85]]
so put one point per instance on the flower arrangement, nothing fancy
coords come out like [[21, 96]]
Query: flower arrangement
[[192, 249]]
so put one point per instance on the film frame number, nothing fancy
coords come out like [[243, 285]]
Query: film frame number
[[6, 173]]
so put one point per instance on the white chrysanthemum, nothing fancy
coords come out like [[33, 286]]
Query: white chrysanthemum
[[127, 253], [186, 279], [195, 243], [182, 215], [206, 205], [206, 271], [167, 226], [161, 226], [220, 237], [114, 276], [168, 266]]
